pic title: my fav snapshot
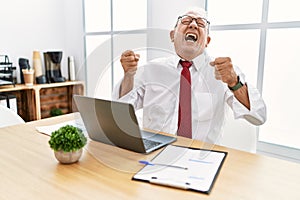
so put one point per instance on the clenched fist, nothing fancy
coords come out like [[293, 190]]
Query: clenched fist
[[129, 61], [224, 71]]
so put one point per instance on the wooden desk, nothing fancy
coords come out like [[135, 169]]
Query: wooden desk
[[30, 171]]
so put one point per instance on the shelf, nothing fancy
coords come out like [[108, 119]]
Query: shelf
[[35, 102]]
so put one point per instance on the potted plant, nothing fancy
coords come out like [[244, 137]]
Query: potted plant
[[67, 143], [56, 112]]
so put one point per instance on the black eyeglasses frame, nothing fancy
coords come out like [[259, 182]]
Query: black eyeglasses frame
[[196, 20]]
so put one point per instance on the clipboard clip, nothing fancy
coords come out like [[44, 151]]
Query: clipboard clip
[[170, 183]]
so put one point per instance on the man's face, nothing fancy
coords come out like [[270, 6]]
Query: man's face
[[190, 36]]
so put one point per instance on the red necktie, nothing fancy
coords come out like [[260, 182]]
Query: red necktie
[[185, 115]]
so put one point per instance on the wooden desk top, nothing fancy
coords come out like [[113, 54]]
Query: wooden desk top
[[29, 170]]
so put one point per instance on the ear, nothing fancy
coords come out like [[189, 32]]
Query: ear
[[207, 41], [172, 35]]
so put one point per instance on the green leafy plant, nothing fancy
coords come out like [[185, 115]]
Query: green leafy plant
[[56, 112], [67, 138]]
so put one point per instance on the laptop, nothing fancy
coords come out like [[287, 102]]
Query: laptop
[[115, 123]]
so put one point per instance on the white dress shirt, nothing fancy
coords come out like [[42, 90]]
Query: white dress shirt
[[156, 91]]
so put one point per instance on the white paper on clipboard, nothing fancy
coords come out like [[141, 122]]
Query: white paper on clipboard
[[199, 175]]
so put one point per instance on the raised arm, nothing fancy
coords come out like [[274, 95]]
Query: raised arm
[[224, 71]]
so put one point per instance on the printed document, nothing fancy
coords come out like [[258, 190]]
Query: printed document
[[185, 168]]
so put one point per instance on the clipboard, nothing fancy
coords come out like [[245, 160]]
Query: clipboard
[[182, 167]]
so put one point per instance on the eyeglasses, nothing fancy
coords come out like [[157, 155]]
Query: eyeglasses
[[187, 20]]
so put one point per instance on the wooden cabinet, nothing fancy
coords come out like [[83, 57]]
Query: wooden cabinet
[[35, 102]]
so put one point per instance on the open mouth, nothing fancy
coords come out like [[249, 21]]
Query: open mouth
[[191, 37]]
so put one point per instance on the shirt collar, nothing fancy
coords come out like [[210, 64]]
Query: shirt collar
[[198, 62]]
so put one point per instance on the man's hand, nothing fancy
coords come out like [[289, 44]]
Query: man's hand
[[129, 61], [224, 71]]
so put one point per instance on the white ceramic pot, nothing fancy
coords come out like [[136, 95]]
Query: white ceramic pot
[[68, 157]]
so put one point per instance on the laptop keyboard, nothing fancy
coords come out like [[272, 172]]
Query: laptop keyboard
[[150, 143]]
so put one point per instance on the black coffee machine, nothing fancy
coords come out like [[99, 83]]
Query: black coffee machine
[[52, 61]]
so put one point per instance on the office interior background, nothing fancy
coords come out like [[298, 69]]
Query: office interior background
[[261, 37]]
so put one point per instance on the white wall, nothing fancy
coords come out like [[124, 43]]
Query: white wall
[[28, 25], [74, 34]]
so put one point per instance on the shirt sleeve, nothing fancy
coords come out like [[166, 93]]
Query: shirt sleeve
[[134, 97], [257, 114]]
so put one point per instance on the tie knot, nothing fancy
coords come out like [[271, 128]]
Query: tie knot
[[185, 63]]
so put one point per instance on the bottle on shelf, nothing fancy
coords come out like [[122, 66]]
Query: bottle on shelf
[[71, 68], [37, 66]]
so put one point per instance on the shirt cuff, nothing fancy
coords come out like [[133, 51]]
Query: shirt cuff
[[257, 113]]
